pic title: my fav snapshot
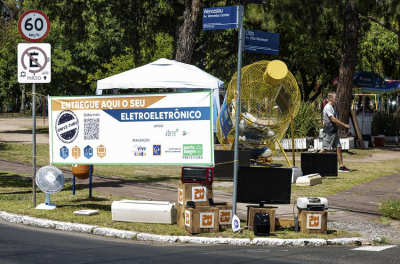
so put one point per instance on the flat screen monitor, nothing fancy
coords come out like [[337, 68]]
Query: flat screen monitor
[[323, 163], [224, 162], [258, 185]]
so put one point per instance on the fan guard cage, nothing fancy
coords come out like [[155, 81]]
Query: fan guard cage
[[50, 179], [264, 107]]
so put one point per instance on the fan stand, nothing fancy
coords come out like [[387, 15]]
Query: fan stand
[[46, 205]]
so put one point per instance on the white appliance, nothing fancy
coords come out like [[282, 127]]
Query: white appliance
[[312, 204], [296, 173], [309, 180], [50, 180], [144, 211]]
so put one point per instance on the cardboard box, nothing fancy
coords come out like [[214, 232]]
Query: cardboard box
[[251, 212], [202, 219], [199, 193], [313, 222]]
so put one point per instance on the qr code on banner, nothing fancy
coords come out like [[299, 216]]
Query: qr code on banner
[[92, 128]]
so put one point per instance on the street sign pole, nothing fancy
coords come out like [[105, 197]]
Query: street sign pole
[[34, 26], [34, 144], [238, 77]]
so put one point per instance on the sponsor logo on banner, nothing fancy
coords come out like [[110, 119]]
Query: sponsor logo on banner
[[64, 152], [76, 152], [67, 126], [187, 218], [314, 221], [180, 196], [171, 133], [139, 150], [173, 150], [192, 151], [207, 220], [156, 150], [199, 194], [88, 152], [225, 217], [101, 151]]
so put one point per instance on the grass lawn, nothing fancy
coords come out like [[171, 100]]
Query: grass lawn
[[16, 196]]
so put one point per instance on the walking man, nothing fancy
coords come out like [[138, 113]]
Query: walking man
[[330, 138]]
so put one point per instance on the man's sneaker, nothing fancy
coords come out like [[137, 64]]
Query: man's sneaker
[[344, 169]]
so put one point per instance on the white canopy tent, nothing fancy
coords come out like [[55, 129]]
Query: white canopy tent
[[164, 73]]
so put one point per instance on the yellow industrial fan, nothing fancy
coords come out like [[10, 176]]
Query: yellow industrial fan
[[270, 97]]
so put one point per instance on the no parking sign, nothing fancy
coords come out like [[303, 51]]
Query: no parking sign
[[34, 63]]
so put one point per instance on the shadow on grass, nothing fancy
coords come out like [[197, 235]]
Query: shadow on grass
[[15, 181], [117, 182], [93, 199], [29, 131], [17, 192], [88, 206]]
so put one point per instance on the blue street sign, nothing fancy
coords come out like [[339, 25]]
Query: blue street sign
[[261, 42], [220, 17]]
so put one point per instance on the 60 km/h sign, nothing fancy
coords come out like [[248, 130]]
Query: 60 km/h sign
[[34, 63], [34, 25]]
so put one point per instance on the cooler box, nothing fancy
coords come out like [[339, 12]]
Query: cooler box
[[379, 140], [144, 211]]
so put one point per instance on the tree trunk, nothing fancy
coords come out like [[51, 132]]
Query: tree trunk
[[187, 41], [22, 110], [398, 44], [347, 62]]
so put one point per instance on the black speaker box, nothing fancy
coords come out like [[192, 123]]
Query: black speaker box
[[262, 224], [323, 163], [224, 162]]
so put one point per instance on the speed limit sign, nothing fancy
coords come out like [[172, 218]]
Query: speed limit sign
[[34, 25]]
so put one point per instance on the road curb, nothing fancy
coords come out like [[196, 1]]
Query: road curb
[[130, 235]]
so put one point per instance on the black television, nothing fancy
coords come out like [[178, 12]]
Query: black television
[[323, 163], [224, 162], [260, 185]]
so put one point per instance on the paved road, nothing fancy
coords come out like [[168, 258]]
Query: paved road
[[20, 244]]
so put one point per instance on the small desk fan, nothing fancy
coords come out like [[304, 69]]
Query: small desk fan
[[50, 180]]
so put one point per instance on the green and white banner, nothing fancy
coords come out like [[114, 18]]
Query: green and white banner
[[146, 129]]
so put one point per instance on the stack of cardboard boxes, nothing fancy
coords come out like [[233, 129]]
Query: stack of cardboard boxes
[[197, 213]]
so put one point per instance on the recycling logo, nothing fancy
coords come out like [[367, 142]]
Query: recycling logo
[[67, 126]]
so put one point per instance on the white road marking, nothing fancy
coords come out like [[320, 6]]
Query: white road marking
[[374, 248]]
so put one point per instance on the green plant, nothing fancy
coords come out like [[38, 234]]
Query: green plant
[[385, 124], [390, 209], [307, 121]]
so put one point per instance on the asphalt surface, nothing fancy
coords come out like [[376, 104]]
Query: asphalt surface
[[21, 245]]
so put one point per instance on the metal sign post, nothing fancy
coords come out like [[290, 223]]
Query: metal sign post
[[34, 66], [34, 144], [238, 112]]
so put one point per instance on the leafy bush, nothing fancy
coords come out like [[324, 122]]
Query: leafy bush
[[390, 209], [385, 124], [307, 121]]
